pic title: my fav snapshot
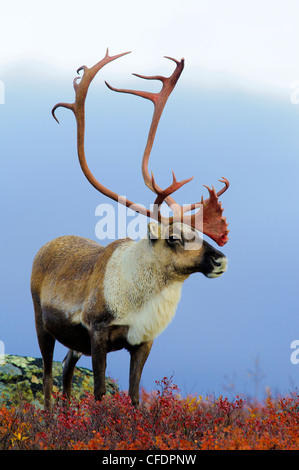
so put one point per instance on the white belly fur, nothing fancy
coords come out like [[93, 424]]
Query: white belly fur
[[133, 293]]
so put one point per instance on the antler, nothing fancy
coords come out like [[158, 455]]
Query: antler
[[214, 225], [78, 108], [159, 101]]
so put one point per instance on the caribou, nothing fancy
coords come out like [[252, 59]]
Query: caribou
[[95, 299]]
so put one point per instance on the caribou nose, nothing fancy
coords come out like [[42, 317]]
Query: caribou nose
[[215, 262], [219, 264]]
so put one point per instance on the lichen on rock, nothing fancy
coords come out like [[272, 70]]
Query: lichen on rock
[[21, 379]]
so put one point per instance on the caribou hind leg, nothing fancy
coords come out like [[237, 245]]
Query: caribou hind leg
[[69, 364], [46, 343]]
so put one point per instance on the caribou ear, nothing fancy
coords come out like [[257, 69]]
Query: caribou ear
[[153, 231]]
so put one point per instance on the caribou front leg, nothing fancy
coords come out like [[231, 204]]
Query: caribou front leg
[[139, 355]]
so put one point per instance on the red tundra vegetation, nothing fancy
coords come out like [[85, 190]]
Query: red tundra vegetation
[[164, 421]]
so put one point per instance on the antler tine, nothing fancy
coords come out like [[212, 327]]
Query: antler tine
[[142, 94], [163, 194], [61, 105], [81, 88], [191, 207], [226, 182]]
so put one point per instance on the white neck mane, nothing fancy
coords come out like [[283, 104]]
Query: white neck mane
[[137, 293]]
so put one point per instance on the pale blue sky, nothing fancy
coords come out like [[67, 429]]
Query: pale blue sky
[[230, 115]]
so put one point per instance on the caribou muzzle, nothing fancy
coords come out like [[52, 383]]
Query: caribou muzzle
[[214, 263]]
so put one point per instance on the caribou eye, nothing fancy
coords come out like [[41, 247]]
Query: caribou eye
[[173, 240]]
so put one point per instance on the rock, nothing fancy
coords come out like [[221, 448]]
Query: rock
[[21, 379]]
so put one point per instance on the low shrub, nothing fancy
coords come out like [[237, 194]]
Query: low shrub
[[164, 421]]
